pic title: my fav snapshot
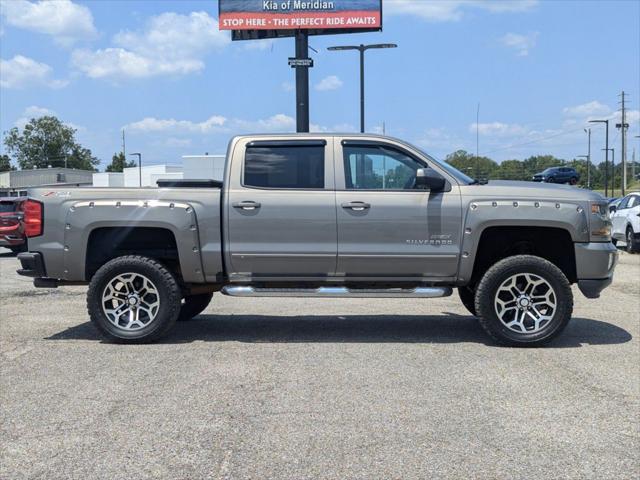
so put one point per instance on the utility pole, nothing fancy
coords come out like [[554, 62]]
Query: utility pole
[[623, 126], [588, 131], [477, 141], [124, 150]]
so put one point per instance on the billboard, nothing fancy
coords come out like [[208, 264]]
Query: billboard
[[252, 19]]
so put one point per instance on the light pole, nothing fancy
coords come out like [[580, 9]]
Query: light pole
[[606, 155], [362, 48], [139, 155]]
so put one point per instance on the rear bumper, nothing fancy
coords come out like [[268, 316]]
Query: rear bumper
[[32, 265], [595, 264], [11, 240]]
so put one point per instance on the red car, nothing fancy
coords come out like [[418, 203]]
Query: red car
[[11, 224]]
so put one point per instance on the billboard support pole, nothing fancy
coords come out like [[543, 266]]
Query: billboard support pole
[[302, 83]]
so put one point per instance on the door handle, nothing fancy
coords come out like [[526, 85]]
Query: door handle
[[246, 205], [356, 206]]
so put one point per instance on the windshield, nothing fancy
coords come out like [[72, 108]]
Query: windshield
[[451, 170]]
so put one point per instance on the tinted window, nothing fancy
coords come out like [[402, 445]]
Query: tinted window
[[284, 167], [633, 201], [378, 168]]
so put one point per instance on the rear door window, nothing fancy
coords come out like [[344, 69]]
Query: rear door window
[[297, 167]]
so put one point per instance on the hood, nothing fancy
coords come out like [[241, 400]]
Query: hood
[[540, 191]]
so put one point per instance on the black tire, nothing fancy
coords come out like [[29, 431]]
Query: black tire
[[468, 296], [162, 280], [573, 181], [551, 180], [632, 245], [193, 305], [554, 281], [615, 242]]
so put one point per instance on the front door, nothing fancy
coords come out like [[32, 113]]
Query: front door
[[281, 210], [386, 227]]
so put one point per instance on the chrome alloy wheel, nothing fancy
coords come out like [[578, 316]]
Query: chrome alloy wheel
[[130, 301], [525, 303]]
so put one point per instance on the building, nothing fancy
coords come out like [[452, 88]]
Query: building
[[206, 167], [108, 179], [150, 174], [18, 182]]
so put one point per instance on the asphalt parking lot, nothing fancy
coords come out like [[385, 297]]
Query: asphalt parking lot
[[300, 388]]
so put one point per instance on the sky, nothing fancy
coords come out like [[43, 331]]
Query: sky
[[177, 85]]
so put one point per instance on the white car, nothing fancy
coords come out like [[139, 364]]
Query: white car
[[625, 220]]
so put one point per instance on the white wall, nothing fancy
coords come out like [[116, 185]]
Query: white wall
[[148, 172], [108, 179], [203, 167]]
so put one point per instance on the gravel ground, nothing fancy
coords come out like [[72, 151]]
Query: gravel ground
[[306, 388]]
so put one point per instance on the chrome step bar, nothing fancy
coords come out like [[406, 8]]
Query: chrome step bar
[[338, 292]]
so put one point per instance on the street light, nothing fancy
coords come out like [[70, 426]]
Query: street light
[[362, 48], [139, 155], [606, 156]]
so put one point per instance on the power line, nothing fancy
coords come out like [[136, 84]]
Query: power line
[[537, 140]]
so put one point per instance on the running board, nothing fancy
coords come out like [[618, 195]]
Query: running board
[[338, 292]]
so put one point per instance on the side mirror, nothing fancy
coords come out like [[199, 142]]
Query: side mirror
[[429, 179], [612, 208]]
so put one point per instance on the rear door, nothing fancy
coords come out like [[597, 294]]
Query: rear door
[[386, 227], [281, 209]]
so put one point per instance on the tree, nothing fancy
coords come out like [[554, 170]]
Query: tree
[[47, 141], [473, 166], [119, 163], [5, 163]]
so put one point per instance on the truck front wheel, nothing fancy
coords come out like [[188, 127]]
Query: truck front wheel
[[524, 301], [133, 299], [193, 305]]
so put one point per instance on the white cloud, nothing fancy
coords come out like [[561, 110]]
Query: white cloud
[[332, 82], [499, 129], [152, 124], [37, 112], [288, 86], [453, 10], [66, 21], [587, 110], [520, 43], [214, 124], [22, 72], [171, 44]]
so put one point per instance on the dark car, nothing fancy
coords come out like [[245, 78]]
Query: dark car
[[558, 175], [11, 225]]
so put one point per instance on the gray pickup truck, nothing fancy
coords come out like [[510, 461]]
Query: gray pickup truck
[[323, 215]]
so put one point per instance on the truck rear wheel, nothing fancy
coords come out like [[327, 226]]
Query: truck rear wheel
[[133, 299], [468, 296], [524, 301], [194, 305]]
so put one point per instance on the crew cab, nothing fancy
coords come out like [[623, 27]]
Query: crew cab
[[324, 215]]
